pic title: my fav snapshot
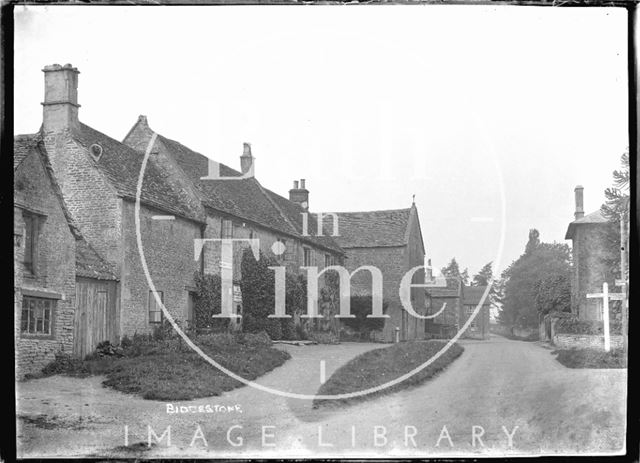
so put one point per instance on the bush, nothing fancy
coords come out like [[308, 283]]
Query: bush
[[208, 302], [324, 337], [361, 306], [289, 332], [301, 332], [258, 297]]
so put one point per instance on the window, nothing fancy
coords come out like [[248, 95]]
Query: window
[[30, 241], [155, 310], [329, 260], [227, 229], [308, 257], [470, 309], [37, 315]]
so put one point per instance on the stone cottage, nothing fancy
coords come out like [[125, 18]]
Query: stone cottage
[[593, 254], [98, 177], [445, 318], [390, 240], [479, 327], [51, 257], [461, 301], [239, 207]]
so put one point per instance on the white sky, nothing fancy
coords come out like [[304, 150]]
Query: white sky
[[370, 104]]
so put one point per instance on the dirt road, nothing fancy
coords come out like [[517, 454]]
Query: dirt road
[[499, 397]]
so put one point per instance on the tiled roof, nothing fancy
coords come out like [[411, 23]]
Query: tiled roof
[[121, 165], [22, 147], [473, 295], [593, 218], [452, 289], [89, 264], [245, 198], [373, 228]]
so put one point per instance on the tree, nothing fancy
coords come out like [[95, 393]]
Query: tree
[[521, 279], [484, 276], [553, 294], [617, 197], [534, 241], [452, 270]]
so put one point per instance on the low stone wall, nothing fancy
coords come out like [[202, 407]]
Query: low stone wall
[[581, 341]]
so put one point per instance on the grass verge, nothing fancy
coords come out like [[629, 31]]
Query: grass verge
[[380, 366], [591, 358], [169, 370]]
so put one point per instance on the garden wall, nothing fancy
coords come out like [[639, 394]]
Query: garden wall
[[581, 341]]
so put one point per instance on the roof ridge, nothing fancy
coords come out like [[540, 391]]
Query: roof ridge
[[374, 211]]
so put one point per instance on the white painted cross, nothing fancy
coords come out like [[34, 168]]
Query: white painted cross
[[605, 295]]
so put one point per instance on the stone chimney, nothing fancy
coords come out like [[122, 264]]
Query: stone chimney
[[299, 194], [60, 106], [579, 194], [246, 160]]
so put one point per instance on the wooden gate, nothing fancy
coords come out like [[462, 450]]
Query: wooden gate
[[96, 317]]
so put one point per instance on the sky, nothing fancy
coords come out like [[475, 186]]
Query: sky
[[489, 115]]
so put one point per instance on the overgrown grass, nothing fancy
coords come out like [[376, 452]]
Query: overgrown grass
[[380, 366], [169, 370], [591, 358]]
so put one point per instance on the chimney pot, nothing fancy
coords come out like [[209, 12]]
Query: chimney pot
[[302, 184], [246, 149], [246, 160], [579, 197]]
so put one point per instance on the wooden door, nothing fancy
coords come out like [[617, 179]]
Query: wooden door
[[96, 316]]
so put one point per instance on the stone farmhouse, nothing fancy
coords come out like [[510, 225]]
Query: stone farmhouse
[[461, 301], [390, 240], [79, 274], [591, 259], [55, 269]]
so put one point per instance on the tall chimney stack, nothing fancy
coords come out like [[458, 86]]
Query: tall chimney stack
[[299, 194], [60, 106], [579, 194], [246, 160]]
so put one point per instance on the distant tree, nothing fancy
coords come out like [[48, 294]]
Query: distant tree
[[484, 276], [520, 281], [617, 197], [465, 276], [534, 241], [453, 270]]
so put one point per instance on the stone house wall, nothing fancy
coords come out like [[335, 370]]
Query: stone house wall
[[168, 247], [90, 198], [592, 257], [54, 267]]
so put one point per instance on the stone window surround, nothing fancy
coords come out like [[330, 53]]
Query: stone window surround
[[152, 300], [38, 217], [36, 293]]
